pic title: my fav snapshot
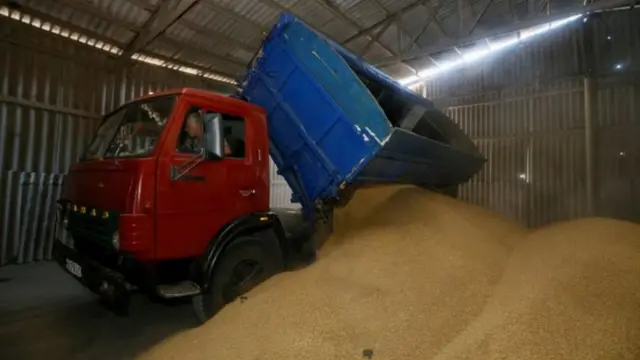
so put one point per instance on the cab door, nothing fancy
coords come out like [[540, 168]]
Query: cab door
[[194, 207]]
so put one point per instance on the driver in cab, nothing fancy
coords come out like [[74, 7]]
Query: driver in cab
[[194, 129]]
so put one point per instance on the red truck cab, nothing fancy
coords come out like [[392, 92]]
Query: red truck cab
[[154, 206]]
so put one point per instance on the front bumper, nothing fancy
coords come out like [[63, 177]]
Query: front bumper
[[109, 284]]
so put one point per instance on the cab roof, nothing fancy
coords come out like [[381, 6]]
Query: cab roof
[[204, 94]]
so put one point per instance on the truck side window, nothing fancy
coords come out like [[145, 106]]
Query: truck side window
[[234, 136], [192, 132], [190, 139]]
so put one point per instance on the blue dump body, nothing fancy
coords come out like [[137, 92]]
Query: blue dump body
[[336, 122]]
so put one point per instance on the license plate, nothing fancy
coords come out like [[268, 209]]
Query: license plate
[[74, 268]]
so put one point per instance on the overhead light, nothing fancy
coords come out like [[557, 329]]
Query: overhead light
[[429, 72], [106, 47], [410, 79], [499, 45], [475, 55], [493, 47]]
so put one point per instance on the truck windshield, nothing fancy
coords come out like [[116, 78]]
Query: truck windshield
[[133, 130]]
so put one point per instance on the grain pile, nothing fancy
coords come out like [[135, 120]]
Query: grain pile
[[569, 291], [411, 274]]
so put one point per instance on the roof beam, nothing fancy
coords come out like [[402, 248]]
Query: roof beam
[[367, 47], [216, 35], [417, 36], [168, 12], [80, 30], [82, 6], [465, 14], [332, 8], [183, 22], [531, 20], [399, 26], [279, 7], [439, 26], [399, 35], [546, 4], [66, 24], [338, 13], [482, 12], [238, 66], [512, 11], [235, 16], [143, 4], [181, 45], [531, 7], [431, 18], [374, 38], [389, 18]]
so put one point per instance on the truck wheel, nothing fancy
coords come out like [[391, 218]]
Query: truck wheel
[[246, 263]]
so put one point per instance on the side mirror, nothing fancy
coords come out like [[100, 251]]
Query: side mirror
[[213, 137]]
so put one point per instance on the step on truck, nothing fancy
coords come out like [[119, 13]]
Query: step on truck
[[171, 197]]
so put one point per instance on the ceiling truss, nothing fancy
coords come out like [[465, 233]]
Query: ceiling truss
[[444, 25]]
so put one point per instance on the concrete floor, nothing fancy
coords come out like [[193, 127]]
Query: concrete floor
[[45, 314]]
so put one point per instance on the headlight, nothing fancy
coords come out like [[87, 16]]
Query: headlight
[[63, 217], [115, 241], [65, 221]]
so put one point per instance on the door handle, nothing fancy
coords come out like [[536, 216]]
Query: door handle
[[247, 192]]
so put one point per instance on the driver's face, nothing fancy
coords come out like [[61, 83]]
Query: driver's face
[[194, 128]]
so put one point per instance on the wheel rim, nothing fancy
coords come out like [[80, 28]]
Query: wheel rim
[[245, 275]]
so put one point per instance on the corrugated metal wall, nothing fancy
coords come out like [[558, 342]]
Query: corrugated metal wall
[[526, 111], [533, 139], [280, 196], [618, 147], [52, 92]]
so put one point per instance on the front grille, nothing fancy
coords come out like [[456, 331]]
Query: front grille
[[92, 231], [96, 231]]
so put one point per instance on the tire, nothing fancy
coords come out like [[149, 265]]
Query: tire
[[248, 261]]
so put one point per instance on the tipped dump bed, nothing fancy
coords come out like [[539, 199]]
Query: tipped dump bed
[[335, 121]]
